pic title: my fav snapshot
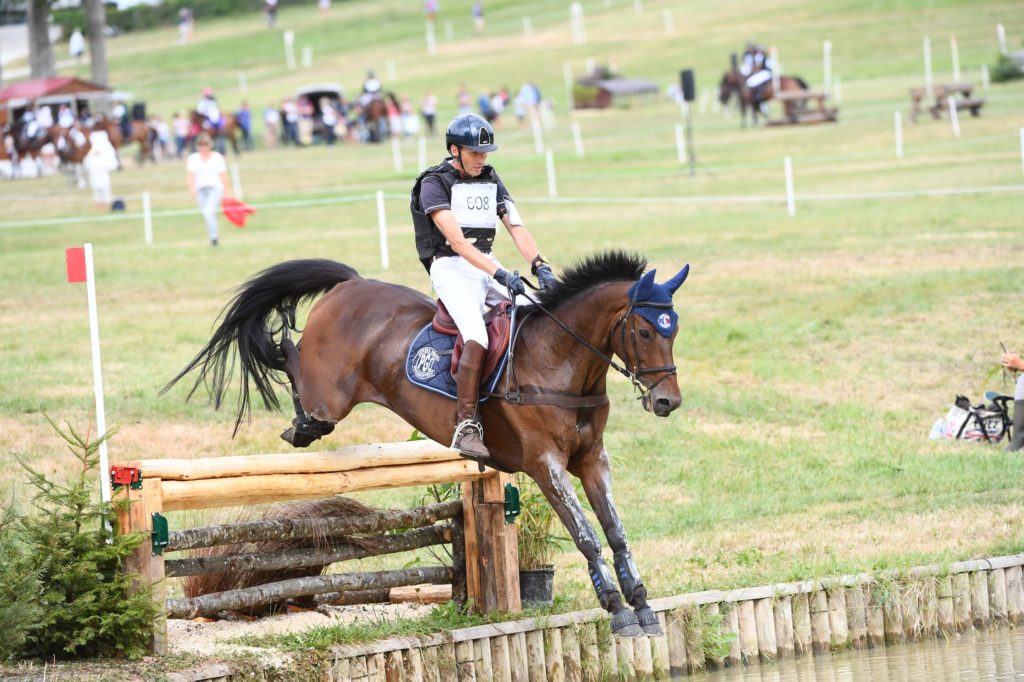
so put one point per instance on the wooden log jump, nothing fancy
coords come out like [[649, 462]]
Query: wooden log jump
[[485, 557]]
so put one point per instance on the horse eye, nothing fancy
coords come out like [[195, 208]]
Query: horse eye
[[644, 334]]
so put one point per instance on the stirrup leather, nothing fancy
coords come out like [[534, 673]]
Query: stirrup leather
[[466, 424]]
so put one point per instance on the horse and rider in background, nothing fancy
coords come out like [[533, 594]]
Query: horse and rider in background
[[753, 85], [220, 126]]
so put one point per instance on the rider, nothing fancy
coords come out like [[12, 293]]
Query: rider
[[207, 107], [65, 117], [371, 89], [757, 67], [456, 207]]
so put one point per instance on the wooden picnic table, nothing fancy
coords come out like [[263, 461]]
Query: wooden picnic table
[[804, 106], [959, 92]]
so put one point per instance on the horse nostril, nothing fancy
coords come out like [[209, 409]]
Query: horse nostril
[[663, 404]]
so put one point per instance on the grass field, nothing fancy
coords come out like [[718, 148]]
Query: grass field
[[815, 351]]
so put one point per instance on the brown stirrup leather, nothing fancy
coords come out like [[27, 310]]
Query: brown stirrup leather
[[498, 323], [469, 433]]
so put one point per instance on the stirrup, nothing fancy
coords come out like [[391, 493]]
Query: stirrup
[[465, 424]]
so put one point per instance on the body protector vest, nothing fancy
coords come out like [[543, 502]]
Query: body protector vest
[[474, 202]]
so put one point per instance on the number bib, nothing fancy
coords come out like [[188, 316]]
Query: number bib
[[475, 204]]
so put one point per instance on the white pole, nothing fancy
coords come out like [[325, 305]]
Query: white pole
[[527, 28], [307, 57], [837, 88], [927, 66], [392, 75], [449, 31], [954, 118], [289, 49], [680, 145], [147, 219], [422, 154], [243, 84], [790, 199], [984, 77], [552, 185], [899, 134], [579, 34], [638, 5], [382, 226], [97, 373], [826, 49], [1022, 149], [567, 77], [684, 108], [1001, 32], [431, 40], [670, 27], [773, 54], [396, 154], [703, 104], [588, 66], [538, 134], [236, 181], [577, 138], [955, 50]]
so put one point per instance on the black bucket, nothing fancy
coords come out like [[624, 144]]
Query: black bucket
[[537, 586]]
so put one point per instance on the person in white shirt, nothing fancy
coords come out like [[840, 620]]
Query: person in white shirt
[[44, 116], [65, 117], [207, 179], [100, 160], [76, 44]]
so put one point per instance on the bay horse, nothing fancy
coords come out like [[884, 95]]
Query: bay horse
[[73, 146], [735, 83], [228, 130], [139, 131], [372, 112], [353, 350]]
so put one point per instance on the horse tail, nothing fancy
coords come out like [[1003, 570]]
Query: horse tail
[[802, 83], [255, 322]]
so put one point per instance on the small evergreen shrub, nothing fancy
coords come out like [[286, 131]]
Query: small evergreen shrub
[[18, 585], [1006, 69]]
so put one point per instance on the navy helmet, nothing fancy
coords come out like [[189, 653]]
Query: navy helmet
[[472, 132]]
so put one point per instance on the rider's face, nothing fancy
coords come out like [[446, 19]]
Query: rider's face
[[472, 162]]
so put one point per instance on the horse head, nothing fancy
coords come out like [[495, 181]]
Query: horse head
[[648, 331], [729, 84]]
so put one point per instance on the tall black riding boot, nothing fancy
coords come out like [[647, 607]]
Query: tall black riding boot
[[1017, 440], [469, 433]]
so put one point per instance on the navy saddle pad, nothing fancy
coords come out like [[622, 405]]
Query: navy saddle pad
[[429, 364]]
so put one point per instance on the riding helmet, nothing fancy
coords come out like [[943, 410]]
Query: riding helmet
[[472, 132]]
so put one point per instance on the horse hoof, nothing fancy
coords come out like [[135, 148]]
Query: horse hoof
[[625, 624], [649, 622]]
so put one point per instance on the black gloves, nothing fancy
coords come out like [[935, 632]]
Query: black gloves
[[545, 277], [511, 280]]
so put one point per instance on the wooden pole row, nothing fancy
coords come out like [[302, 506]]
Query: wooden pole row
[[323, 555], [296, 529], [250, 597]]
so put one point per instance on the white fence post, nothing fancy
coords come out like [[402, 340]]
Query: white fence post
[[955, 51], [773, 54], [579, 33], [396, 154], [984, 77], [670, 26], [790, 198], [577, 138], [927, 66], [954, 117], [289, 49], [236, 181], [552, 185], [431, 39], [826, 50], [382, 226], [680, 145], [1001, 33], [422, 154], [899, 135], [147, 219], [307, 57], [538, 134], [527, 28], [1022, 149]]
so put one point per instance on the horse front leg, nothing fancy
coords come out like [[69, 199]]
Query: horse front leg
[[553, 480], [595, 474]]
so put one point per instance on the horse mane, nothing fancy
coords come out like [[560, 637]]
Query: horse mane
[[608, 266]]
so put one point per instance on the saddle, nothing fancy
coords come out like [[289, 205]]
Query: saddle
[[497, 321]]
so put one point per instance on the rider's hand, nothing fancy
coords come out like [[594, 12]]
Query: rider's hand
[[545, 277], [512, 280], [1012, 360]]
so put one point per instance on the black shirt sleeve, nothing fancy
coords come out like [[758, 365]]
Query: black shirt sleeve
[[433, 195], [502, 196]]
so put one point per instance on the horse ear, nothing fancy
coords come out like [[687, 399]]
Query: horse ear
[[678, 280], [643, 289]]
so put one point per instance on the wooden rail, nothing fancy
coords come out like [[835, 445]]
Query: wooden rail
[[486, 562]]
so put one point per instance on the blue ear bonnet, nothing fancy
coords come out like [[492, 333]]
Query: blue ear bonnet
[[658, 299]]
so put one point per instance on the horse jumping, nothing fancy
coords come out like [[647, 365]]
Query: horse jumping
[[734, 83], [550, 420]]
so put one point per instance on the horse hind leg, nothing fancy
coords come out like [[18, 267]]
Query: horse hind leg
[[305, 429]]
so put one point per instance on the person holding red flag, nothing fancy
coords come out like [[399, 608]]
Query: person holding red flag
[[207, 179]]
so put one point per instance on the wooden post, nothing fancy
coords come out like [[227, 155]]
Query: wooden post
[[474, 591], [501, 659], [929, 606], [553, 662], [875, 616], [838, 624], [676, 643], [465, 663], [147, 569], [642, 658], [413, 671], [802, 643], [358, 667], [944, 593], [535, 660], [783, 612], [571, 658], [748, 631], [517, 654], [712, 612], [764, 617], [624, 655], [821, 633], [482, 659], [606, 647], [980, 612], [659, 649], [1014, 595], [394, 666], [731, 625], [856, 617], [910, 607], [375, 668], [997, 595], [590, 657], [962, 601], [460, 590], [497, 554], [893, 617]]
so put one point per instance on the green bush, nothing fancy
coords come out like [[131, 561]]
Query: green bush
[[18, 584], [75, 585], [1006, 69]]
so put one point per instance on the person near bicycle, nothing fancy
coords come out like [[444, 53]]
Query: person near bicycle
[[1013, 361], [456, 208]]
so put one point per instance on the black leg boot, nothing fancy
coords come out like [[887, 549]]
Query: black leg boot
[[469, 433], [1017, 440]]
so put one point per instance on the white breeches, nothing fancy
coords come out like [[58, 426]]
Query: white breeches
[[467, 293]]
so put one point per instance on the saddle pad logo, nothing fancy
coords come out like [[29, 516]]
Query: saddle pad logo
[[664, 321], [424, 363]]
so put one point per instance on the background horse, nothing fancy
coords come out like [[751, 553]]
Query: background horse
[[373, 113], [353, 350], [735, 83], [228, 130], [139, 131], [73, 146]]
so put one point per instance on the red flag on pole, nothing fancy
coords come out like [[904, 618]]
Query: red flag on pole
[[75, 258]]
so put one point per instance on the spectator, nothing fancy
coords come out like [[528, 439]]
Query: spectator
[[180, 125], [290, 120], [463, 100], [270, 8], [325, 6], [430, 8], [271, 126], [244, 119], [76, 45], [497, 107], [329, 118], [483, 101], [207, 178], [410, 124], [100, 160], [163, 135], [186, 24], [478, 17], [429, 110]]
